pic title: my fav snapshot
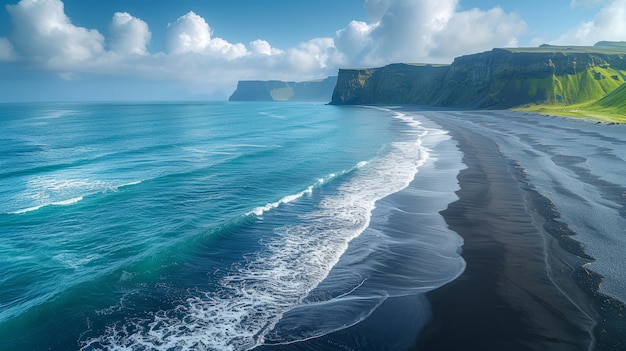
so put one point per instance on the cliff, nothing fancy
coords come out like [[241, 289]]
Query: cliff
[[500, 78], [275, 90], [393, 84]]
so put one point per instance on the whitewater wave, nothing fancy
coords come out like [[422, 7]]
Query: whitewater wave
[[57, 203], [252, 299], [259, 211], [49, 191]]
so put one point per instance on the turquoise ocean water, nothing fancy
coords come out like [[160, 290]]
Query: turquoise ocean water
[[216, 226]]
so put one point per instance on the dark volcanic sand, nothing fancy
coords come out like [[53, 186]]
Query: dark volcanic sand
[[523, 288], [506, 299]]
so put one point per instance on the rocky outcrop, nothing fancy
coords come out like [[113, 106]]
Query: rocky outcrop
[[275, 90], [500, 78]]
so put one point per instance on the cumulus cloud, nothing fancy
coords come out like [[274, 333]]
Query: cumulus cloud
[[355, 40], [129, 35], [312, 55], [609, 24], [433, 30], [263, 47], [42, 32], [477, 30], [191, 33], [396, 31]]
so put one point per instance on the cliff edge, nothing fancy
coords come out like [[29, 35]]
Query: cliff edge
[[500, 78]]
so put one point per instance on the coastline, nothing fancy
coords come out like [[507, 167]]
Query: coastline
[[524, 287]]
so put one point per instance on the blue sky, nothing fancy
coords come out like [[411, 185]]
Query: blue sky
[[55, 50]]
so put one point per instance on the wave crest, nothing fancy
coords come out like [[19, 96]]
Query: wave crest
[[295, 260]]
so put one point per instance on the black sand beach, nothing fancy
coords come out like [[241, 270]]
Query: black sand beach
[[523, 288], [505, 299]]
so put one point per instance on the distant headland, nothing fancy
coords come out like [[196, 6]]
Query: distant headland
[[276, 90], [578, 81]]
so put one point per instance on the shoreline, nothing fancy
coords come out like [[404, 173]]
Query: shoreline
[[524, 287]]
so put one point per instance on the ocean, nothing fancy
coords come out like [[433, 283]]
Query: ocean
[[219, 225]]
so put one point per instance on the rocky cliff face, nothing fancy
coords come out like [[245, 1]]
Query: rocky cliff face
[[500, 78], [275, 90], [393, 84]]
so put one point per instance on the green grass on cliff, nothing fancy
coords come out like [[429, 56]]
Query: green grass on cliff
[[598, 93], [611, 108], [589, 85], [616, 101], [580, 89]]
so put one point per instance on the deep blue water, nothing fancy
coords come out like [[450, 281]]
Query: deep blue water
[[218, 226]]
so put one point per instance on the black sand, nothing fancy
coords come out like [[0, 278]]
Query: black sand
[[520, 290], [524, 287]]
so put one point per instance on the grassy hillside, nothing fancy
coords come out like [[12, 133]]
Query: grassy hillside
[[589, 85], [611, 108], [598, 93], [616, 101]]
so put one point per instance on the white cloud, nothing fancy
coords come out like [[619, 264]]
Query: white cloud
[[355, 40], [263, 47], [312, 55], [43, 33], [432, 31], [609, 24], [190, 33], [405, 31], [129, 35], [397, 31], [476, 30]]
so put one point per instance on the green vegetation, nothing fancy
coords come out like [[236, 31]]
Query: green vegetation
[[591, 84], [598, 93], [578, 81], [578, 111], [616, 101]]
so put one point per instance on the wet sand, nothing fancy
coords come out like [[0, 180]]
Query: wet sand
[[524, 287], [521, 289]]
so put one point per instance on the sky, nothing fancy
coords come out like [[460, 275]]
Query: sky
[[167, 50]]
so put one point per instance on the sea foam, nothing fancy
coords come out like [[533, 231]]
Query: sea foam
[[259, 211], [251, 300], [49, 191]]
